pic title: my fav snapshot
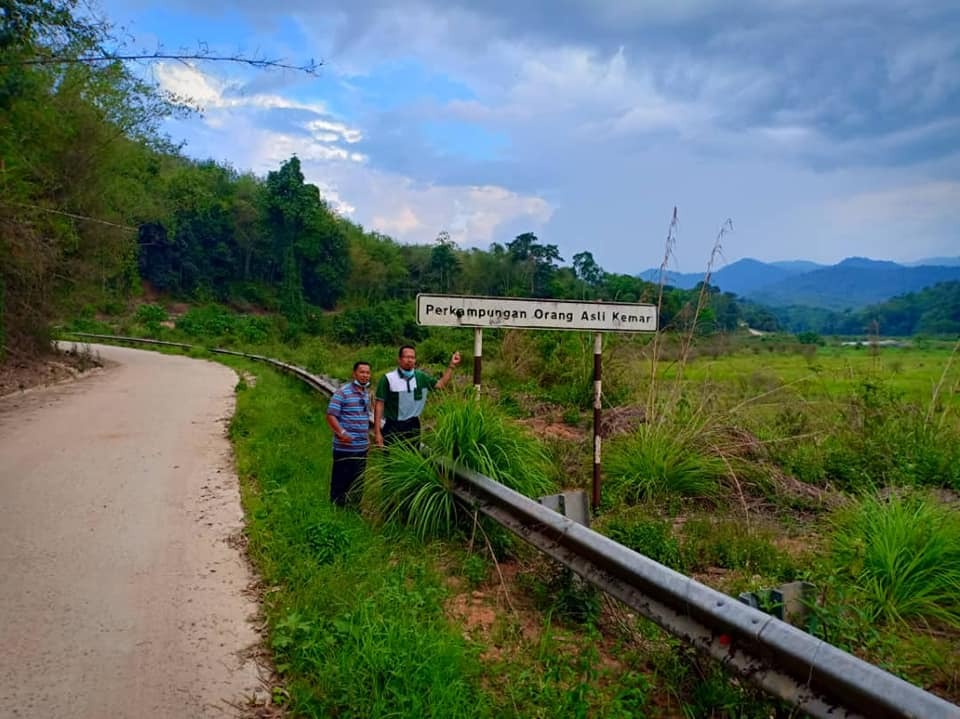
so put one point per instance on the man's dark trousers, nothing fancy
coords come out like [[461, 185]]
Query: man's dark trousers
[[406, 430], [347, 468]]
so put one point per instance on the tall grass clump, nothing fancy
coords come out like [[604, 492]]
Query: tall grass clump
[[405, 486], [408, 486], [480, 436], [903, 556], [659, 460]]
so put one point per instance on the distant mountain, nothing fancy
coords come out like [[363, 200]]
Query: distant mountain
[[851, 284], [854, 283], [865, 263], [798, 266], [741, 277], [935, 261]]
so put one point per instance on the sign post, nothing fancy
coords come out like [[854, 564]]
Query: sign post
[[534, 314], [477, 357], [597, 395]]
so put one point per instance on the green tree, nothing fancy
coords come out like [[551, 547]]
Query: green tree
[[73, 138], [309, 241], [444, 265], [587, 269], [533, 262], [377, 268]]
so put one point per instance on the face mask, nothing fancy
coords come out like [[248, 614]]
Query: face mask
[[406, 373], [364, 385]]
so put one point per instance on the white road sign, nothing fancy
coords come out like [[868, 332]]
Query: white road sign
[[463, 311]]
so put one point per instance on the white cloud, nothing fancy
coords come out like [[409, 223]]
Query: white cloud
[[325, 127], [919, 205], [766, 112], [388, 202], [416, 212], [401, 224], [212, 94], [185, 81]]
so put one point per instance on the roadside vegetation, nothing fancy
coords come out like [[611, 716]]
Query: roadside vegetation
[[762, 462]]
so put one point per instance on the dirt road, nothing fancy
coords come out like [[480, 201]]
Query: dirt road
[[121, 592]]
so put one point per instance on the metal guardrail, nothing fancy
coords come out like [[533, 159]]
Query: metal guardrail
[[797, 667], [321, 384]]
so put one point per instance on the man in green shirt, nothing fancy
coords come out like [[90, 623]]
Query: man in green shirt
[[401, 396]]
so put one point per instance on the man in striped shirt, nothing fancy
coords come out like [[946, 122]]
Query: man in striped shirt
[[348, 415]]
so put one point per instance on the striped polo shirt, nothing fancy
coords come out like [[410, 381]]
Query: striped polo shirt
[[351, 406], [404, 398]]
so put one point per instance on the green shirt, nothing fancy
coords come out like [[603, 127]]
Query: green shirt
[[404, 398]]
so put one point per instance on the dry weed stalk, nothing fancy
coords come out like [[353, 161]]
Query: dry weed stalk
[[939, 385], [670, 243], [703, 299]]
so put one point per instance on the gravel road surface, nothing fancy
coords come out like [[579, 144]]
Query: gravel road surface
[[122, 592]]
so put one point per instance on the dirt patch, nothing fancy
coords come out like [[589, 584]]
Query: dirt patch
[[621, 420], [19, 375], [473, 611], [545, 428], [498, 614], [790, 486], [738, 442]]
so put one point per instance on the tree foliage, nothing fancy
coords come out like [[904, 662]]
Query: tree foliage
[[73, 146]]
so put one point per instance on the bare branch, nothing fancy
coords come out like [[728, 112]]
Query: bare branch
[[310, 68], [71, 215]]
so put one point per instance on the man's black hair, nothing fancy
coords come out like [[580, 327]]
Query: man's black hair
[[406, 347], [358, 363]]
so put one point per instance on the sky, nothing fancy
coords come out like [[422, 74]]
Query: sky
[[822, 129]]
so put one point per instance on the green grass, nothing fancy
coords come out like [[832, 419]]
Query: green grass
[[903, 556], [658, 460], [356, 615], [408, 486], [482, 437]]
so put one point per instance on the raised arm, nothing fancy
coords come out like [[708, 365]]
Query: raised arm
[[448, 372]]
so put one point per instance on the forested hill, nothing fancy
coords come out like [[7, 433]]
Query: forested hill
[[852, 284], [933, 311]]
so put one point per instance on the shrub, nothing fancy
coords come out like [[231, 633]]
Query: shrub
[[406, 487], [375, 324], [150, 316], [810, 338], [903, 555], [658, 460], [254, 330], [889, 441], [209, 321], [326, 540], [650, 537], [409, 487], [477, 434], [731, 545]]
